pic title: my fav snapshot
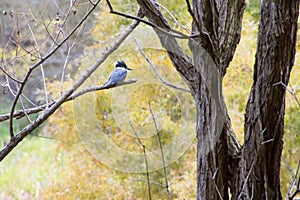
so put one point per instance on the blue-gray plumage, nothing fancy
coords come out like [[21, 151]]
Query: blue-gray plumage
[[118, 75]]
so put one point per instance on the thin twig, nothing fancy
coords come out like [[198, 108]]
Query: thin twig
[[291, 196], [267, 141], [10, 76], [151, 182], [42, 60], [21, 100], [145, 157], [246, 179], [68, 57], [162, 152], [171, 32], [85, 75], [18, 44], [45, 137], [65, 20], [174, 18], [157, 73], [291, 91], [40, 56]]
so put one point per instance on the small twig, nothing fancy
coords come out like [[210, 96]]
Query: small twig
[[218, 191], [42, 60], [87, 73], [267, 141], [162, 152], [215, 173], [40, 56], [65, 20], [213, 178], [145, 157], [157, 73], [175, 20], [18, 44], [45, 137], [68, 58], [10, 76], [49, 34], [14, 92], [171, 32], [291, 91], [151, 182], [246, 179], [291, 196]]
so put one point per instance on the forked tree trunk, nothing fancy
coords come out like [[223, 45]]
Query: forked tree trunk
[[222, 165], [264, 121], [220, 24]]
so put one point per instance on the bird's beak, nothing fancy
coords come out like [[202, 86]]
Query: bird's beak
[[129, 68]]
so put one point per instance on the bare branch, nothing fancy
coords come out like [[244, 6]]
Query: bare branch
[[146, 162], [171, 32], [68, 57], [72, 3], [49, 111], [42, 60], [246, 180], [100, 87], [175, 20], [180, 60], [40, 56], [292, 91], [291, 196], [10, 76], [167, 185], [21, 113], [157, 73]]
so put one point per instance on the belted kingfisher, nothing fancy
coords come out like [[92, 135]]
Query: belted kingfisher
[[118, 75]]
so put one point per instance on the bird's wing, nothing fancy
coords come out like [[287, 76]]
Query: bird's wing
[[116, 76]]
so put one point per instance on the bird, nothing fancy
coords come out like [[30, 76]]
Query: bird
[[118, 74]]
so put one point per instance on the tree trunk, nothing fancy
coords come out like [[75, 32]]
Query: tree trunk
[[264, 120], [218, 20], [222, 165]]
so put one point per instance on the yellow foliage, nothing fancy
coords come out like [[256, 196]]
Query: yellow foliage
[[84, 177]]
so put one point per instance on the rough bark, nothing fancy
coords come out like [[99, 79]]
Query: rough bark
[[213, 48], [252, 172], [221, 21], [264, 119]]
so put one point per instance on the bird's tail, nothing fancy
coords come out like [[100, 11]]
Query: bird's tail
[[108, 84]]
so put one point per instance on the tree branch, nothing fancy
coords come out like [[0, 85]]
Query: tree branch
[[291, 196], [10, 76], [180, 60], [167, 185], [100, 87], [146, 161], [156, 72], [42, 60], [21, 113], [170, 32], [49, 111]]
